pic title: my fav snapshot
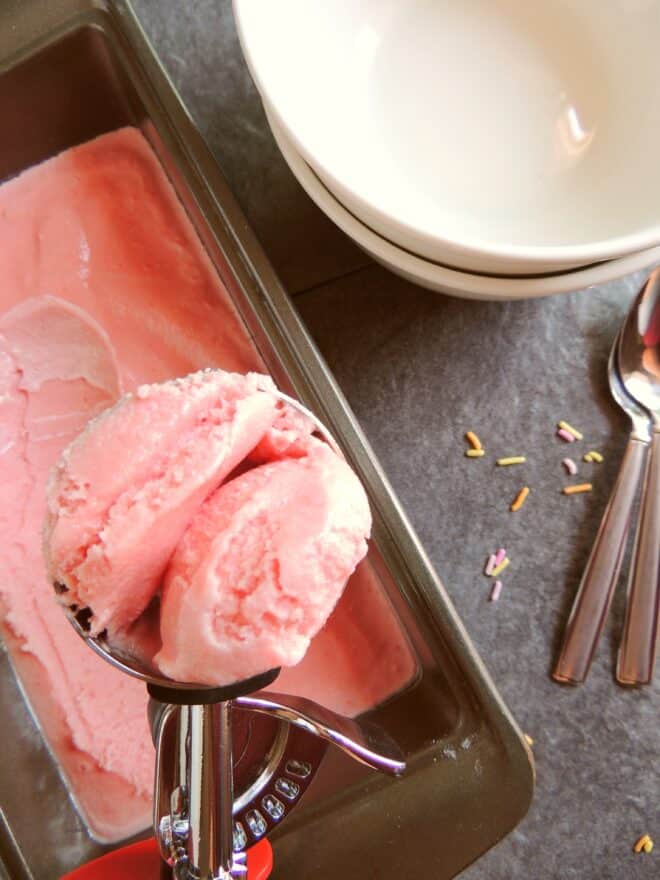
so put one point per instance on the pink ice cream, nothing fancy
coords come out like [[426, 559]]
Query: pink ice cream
[[261, 567], [95, 716], [125, 490], [263, 561], [288, 437], [113, 289]]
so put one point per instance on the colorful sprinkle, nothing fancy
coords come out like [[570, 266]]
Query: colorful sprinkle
[[592, 455], [495, 592], [474, 453], [499, 556], [497, 571], [577, 489], [566, 435], [513, 459], [564, 426], [528, 740], [570, 466], [644, 843], [490, 565], [473, 440], [520, 499]]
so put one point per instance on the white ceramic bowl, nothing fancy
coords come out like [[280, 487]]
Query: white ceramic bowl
[[503, 136], [441, 278]]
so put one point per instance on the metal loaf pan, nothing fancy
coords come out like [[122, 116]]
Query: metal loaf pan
[[71, 70]]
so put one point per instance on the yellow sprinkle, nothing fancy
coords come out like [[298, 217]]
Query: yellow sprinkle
[[592, 455], [500, 568], [473, 440], [575, 490], [573, 431], [474, 453], [587, 457], [520, 498], [514, 459], [642, 843], [648, 846], [528, 740]]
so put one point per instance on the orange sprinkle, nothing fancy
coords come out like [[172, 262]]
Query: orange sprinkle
[[642, 844], [473, 440], [520, 498], [575, 490]]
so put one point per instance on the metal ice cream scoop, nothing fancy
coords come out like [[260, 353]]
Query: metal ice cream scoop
[[194, 802]]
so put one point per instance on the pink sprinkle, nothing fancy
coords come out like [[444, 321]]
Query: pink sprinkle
[[500, 556], [495, 592], [566, 435], [490, 565], [570, 466]]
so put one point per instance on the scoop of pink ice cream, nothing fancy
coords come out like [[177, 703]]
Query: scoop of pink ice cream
[[290, 436], [261, 567], [124, 491]]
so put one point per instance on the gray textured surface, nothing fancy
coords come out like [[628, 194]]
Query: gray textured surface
[[419, 370]]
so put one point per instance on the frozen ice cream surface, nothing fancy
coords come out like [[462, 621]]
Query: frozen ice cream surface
[[45, 403], [106, 287], [261, 567], [125, 490]]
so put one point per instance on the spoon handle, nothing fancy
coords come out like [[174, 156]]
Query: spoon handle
[[640, 630], [594, 595]]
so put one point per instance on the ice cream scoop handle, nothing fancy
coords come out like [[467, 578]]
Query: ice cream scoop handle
[[210, 851], [362, 740]]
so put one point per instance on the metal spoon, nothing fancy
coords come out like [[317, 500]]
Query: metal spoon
[[601, 573], [639, 367]]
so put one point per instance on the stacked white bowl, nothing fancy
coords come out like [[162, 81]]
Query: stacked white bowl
[[486, 148]]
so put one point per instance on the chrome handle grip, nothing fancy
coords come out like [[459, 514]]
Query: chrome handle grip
[[211, 793], [194, 798], [193, 795]]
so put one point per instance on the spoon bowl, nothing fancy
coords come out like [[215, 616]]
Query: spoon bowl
[[638, 355]]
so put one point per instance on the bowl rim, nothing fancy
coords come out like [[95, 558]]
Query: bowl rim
[[579, 255], [469, 284]]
